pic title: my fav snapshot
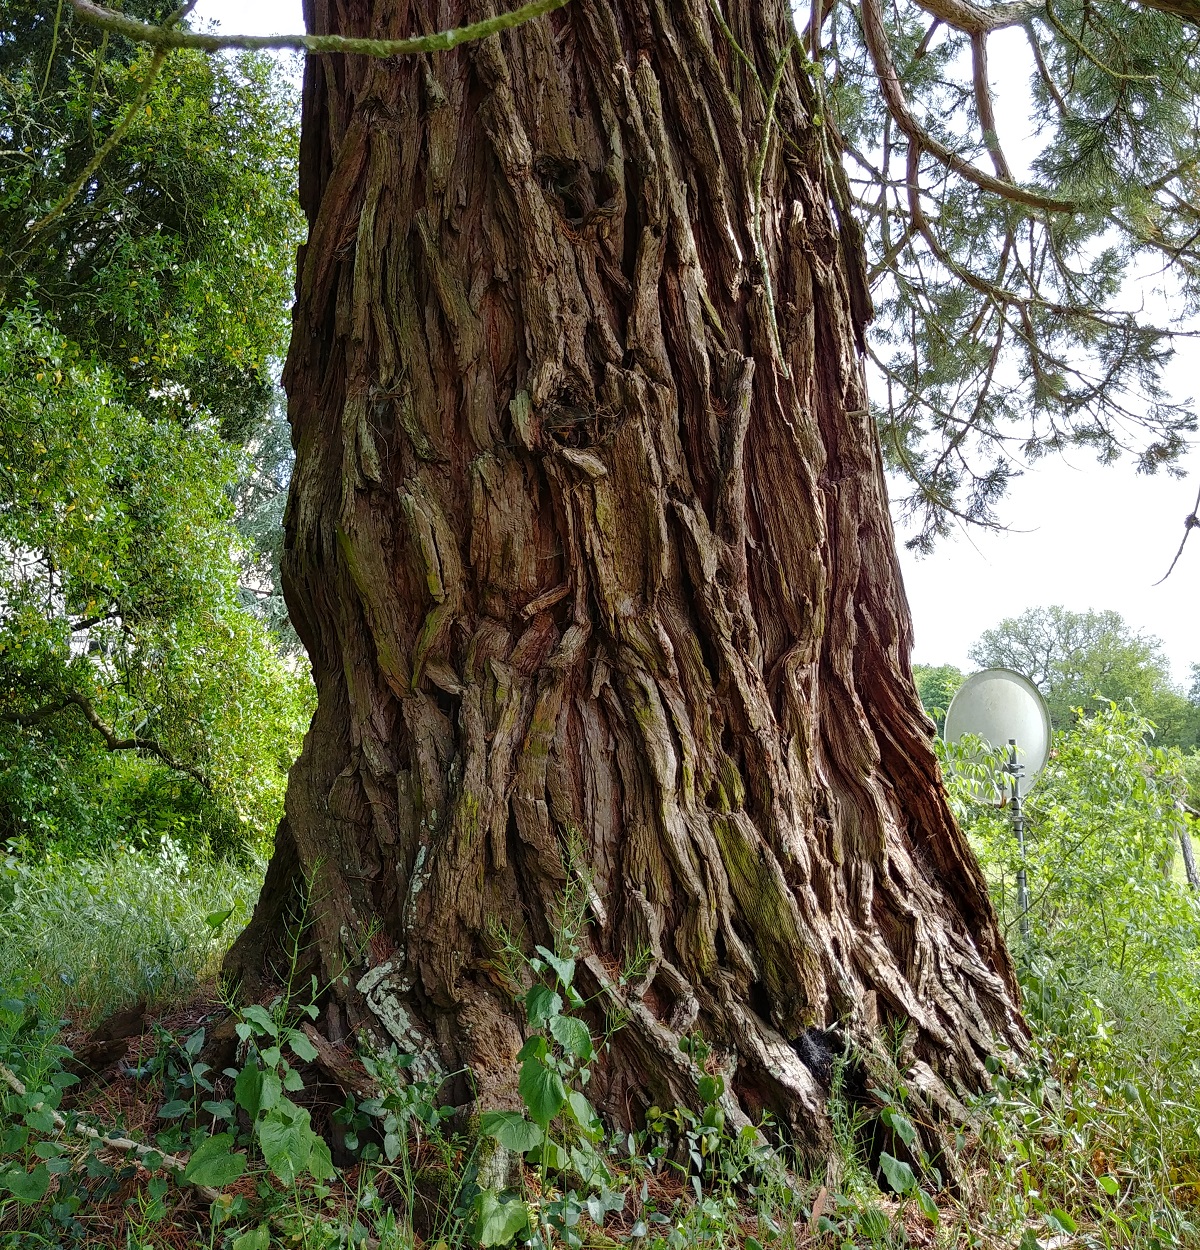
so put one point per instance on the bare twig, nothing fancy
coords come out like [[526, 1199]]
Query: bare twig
[[1190, 522]]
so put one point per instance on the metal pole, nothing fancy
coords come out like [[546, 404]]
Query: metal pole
[[1015, 770]]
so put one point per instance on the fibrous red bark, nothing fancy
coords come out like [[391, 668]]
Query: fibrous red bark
[[589, 545]]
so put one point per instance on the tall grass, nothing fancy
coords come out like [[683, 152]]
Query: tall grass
[[90, 935]]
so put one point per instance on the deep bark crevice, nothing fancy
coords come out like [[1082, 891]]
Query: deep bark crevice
[[589, 545]]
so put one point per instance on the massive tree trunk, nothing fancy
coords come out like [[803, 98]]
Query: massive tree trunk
[[589, 545]]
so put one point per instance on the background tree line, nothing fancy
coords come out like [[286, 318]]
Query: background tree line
[[1081, 662]]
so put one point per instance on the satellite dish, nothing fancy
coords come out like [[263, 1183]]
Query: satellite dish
[[1000, 706]]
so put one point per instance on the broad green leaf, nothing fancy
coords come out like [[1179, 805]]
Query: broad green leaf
[[564, 969], [1059, 1221], [1109, 1184], [900, 1124], [710, 1088], [573, 1036], [551, 1154], [261, 1019], [287, 1141], [541, 1003], [174, 1109], [302, 1048], [257, 1239], [500, 1222], [214, 1163], [269, 1091], [40, 1119], [247, 1089], [511, 1129], [929, 1208], [899, 1175], [534, 1048], [320, 1161], [583, 1113], [542, 1091], [216, 919], [27, 1186], [607, 1201]]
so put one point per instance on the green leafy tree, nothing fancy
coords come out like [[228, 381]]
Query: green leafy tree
[[170, 261], [147, 221], [122, 626], [1085, 660], [936, 686], [1102, 839]]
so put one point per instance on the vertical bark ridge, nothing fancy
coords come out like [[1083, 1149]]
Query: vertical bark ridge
[[589, 545]]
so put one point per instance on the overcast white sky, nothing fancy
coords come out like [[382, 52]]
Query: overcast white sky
[[1081, 535]]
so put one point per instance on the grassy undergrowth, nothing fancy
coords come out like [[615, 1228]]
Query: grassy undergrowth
[[88, 936], [1092, 1141]]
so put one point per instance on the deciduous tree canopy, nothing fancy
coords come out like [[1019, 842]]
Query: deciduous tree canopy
[[1084, 661], [142, 299]]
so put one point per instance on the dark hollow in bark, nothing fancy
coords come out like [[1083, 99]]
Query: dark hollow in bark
[[588, 543]]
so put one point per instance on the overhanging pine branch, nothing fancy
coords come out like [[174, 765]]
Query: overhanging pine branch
[[147, 746], [876, 40], [441, 41]]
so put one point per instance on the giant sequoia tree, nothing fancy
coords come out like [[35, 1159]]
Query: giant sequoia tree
[[589, 545], [588, 539]]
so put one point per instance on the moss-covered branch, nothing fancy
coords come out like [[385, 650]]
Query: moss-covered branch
[[441, 41]]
